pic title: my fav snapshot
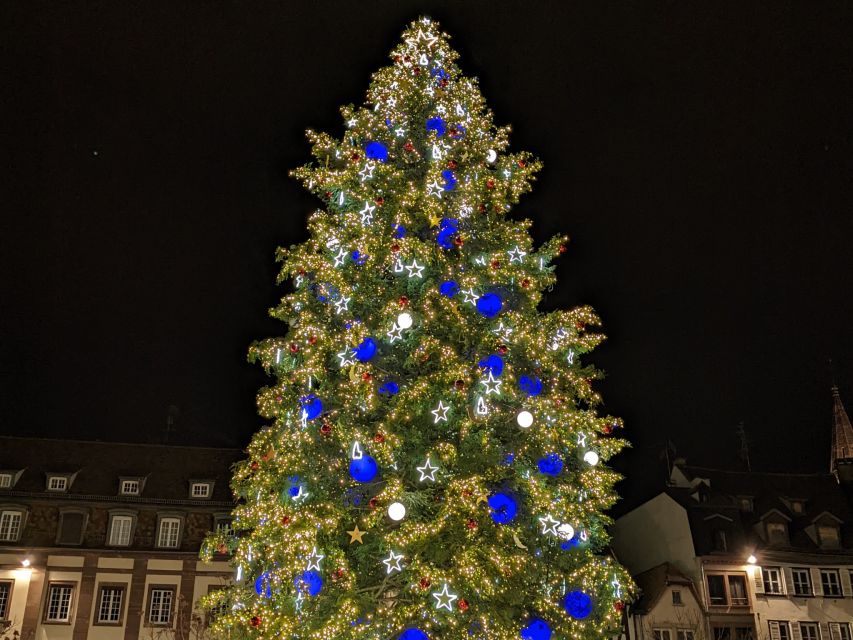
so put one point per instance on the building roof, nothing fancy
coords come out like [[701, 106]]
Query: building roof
[[653, 583], [773, 496], [842, 433], [167, 469]]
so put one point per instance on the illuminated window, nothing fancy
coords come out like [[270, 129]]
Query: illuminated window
[[168, 535], [110, 603], [10, 525], [200, 490], [830, 581], [58, 603], [57, 483], [160, 605], [120, 531], [802, 582], [5, 598], [130, 487], [5, 480]]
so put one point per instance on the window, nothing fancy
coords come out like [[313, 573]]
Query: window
[[722, 633], [828, 536], [802, 582], [5, 480], [5, 598], [130, 487], [160, 600], [837, 630], [224, 525], [797, 506], [744, 633], [200, 490], [676, 597], [772, 580], [684, 634], [58, 604], [10, 525], [57, 483], [831, 583], [219, 606], [809, 631], [779, 630], [720, 542], [110, 601], [662, 634], [169, 533], [717, 589], [737, 590], [120, 530], [72, 525], [777, 533]]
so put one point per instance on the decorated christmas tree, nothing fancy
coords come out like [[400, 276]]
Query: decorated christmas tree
[[434, 465]]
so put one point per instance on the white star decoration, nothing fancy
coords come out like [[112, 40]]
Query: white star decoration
[[470, 296], [549, 525], [420, 37], [434, 189], [444, 598], [340, 257], [441, 109], [411, 268], [427, 471], [367, 172], [491, 384], [516, 255], [400, 131], [367, 213], [617, 587], [440, 412], [392, 562], [314, 560], [342, 305], [345, 357], [581, 439], [395, 334]]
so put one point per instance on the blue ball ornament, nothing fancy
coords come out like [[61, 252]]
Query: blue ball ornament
[[445, 238], [436, 124], [493, 363], [413, 634], [376, 151], [578, 604], [399, 231], [312, 406], [440, 73], [551, 465], [449, 288], [363, 469], [531, 385], [538, 629], [460, 131], [366, 350], [489, 305], [449, 180], [389, 388], [310, 582], [504, 508], [262, 585]]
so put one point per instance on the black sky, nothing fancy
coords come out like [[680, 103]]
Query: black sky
[[698, 153]]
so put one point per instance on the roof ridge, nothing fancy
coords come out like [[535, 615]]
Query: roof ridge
[[123, 444]]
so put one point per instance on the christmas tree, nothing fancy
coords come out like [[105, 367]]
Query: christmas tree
[[434, 463]]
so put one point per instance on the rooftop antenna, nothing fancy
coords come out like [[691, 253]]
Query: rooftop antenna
[[744, 446], [171, 415]]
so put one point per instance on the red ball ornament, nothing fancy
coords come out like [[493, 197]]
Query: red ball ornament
[[395, 248], [482, 208], [579, 325], [398, 58], [416, 70], [379, 438], [302, 272], [325, 428], [294, 348], [367, 376], [285, 520], [338, 574], [466, 493], [471, 524], [372, 503], [424, 583], [463, 605], [619, 606], [495, 264], [452, 164], [607, 429], [255, 465], [458, 241], [255, 621], [404, 300], [328, 195], [354, 157], [279, 399], [561, 248], [459, 384], [443, 84], [312, 340], [409, 146], [522, 163], [525, 283], [502, 349], [222, 550], [380, 201], [453, 131], [490, 183]]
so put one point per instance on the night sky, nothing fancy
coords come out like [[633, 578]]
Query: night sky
[[698, 154]]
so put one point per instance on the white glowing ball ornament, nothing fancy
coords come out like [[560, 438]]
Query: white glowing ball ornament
[[404, 320], [591, 458], [525, 419], [491, 156], [566, 531], [396, 511]]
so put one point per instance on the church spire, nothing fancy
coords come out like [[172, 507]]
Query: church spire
[[842, 434]]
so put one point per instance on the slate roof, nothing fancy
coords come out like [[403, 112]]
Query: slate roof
[[842, 433], [167, 469], [771, 493]]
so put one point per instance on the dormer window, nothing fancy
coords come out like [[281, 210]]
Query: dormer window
[[5, 480], [745, 504], [798, 506], [57, 483], [130, 486], [829, 536], [201, 490], [777, 533]]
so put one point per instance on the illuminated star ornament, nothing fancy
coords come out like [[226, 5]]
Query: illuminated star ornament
[[314, 560], [346, 358], [392, 562], [491, 384], [395, 334], [415, 270], [367, 214], [435, 189], [340, 257], [440, 412], [516, 255], [470, 296], [367, 172], [342, 305], [356, 535], [549, 525], [444, 599], [427, 471], [422, 38]]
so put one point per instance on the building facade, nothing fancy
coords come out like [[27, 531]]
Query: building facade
[[100, 541], [763, 556]]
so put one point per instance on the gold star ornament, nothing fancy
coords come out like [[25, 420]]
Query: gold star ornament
[[356, 535]]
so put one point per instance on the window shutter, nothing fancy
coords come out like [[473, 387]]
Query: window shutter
[[846, 589], [795, 630], [834, 631], [824, 630], [817, 585], [758, 579], [70, 528], [788, 586], [774, 630]]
